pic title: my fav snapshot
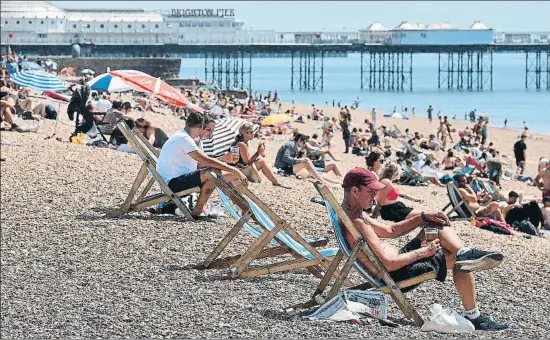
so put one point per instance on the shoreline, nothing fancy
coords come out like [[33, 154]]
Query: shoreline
[[380, 113]]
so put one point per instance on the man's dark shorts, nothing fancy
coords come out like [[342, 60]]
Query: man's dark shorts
[[185, 182], [435, 264]]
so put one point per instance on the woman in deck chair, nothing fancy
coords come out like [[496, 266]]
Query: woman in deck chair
[[388, 205], [471, 198], [251, 164], [446, 253], [178, 165]]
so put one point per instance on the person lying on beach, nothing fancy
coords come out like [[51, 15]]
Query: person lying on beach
[[251, 164], [178, 165], [388, 205], [419, 256], [288, 161], [472, 200]]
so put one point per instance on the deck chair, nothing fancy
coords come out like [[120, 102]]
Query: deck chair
[[386, 284], [149, 156], [491, 189], [274, 230], [409, 178], [456, 203]]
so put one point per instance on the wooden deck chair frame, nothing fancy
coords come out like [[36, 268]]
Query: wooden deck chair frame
[[386, 284], [240, 266], [149, 156]]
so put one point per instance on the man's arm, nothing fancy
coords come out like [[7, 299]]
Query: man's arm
[[205, 160], [287, 156], [396, 229], [537, 179], [394, 262], [466, 195]]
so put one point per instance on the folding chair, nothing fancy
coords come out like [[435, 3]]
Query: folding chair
[[274, 230], [459, 206], [149, 156], [385, 284], [491, 189], [410, 177]]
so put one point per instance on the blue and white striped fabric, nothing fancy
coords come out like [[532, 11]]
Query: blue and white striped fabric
[[228, 205], [344, 246], [30, 65], [39, 80], [108, 83], [282, 236]]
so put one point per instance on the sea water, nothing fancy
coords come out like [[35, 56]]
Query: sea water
[[342, 79]]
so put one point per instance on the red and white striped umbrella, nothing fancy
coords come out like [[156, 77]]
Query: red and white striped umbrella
[[155, 86]]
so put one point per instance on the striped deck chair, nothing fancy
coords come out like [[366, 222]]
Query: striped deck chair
[[149, 156], [386, 284], [491, 189], [274, 230], [409, 177]]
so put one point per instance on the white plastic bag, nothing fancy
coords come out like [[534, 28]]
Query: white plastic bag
[[446, 320]]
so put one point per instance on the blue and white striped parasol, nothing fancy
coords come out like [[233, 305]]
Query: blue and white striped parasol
[[39, 80], [396, 115], [106, 82], [224, 135], [30, 65]]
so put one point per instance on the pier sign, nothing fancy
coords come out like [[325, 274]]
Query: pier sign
[[221, 12]]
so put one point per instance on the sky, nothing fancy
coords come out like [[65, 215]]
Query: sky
[[291, 16]]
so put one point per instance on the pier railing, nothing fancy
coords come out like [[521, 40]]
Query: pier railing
[[282, 38]]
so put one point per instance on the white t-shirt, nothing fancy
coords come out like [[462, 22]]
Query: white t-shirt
[[103, 105], [417, 165], [174, 160]]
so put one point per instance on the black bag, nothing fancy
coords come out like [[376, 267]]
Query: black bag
[[50, 112], [525, 226]]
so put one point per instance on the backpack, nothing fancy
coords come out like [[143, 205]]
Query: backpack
[[526, 227]]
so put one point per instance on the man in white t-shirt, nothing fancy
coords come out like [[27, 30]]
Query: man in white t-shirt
[[178, 164], [103, 104]]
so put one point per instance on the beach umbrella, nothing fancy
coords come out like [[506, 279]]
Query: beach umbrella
[[39, 80], [276, 119], [224, 135], [396, 115], [106, 82], [87, 72], [155, 86], [30, 65]]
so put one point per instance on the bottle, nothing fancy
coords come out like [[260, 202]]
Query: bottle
[[473, 221]]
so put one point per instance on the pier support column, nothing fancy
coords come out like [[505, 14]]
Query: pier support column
[[309, 73], [470, 70], [386, 71], [229, 70], [537, 70]]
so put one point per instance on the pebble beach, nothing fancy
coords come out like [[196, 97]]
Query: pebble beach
[[70, 272]]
